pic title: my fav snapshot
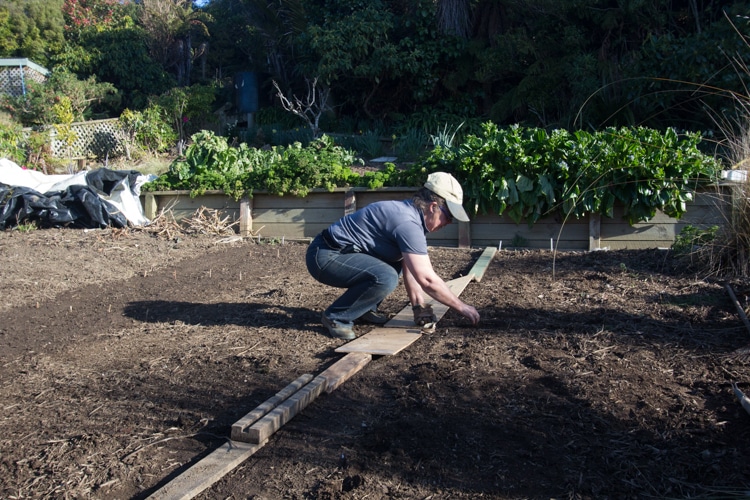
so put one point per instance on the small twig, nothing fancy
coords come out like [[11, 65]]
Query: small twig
[[248, 349], [134, 452]]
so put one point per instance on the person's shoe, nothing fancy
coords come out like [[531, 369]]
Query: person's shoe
[[374, 317], [336, 330]]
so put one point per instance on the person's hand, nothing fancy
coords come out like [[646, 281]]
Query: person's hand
[[423, 314], [470, 313]]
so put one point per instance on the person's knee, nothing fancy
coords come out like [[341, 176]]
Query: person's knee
[[388, 278]]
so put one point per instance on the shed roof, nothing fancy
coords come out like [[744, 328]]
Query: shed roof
[[24, 62]]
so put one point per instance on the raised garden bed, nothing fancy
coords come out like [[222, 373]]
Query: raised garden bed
[[298, 218]]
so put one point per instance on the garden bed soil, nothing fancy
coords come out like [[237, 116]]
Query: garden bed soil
[[125, 357]]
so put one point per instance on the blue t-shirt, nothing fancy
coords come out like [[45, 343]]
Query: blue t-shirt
[[384, 229]]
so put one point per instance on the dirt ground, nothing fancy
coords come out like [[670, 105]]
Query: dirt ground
[[126, 357]]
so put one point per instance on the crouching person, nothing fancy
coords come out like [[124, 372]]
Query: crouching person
[[366, 252]]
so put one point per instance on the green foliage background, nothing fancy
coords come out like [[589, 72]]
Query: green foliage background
[[572, 64], [562, 104]]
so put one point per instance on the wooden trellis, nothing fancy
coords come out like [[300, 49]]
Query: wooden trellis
[[16, 73], [93, 139]]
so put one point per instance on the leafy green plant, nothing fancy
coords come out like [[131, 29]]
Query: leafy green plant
[[380, 178], [63, 113], [211, 164], [692, 238], [27, 227], [529, 173], [296, 169], [12, 143], [36, 106], [444, 137], [185, 104], [149, 129]]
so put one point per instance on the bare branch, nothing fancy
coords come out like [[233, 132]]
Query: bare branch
[[311, 109]]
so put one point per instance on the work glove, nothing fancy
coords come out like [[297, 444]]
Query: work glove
[[423, 314]]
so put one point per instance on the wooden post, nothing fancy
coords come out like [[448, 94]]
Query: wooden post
[[246, 216], [595, 223], [350, 202], [150, 208], [464, 234]]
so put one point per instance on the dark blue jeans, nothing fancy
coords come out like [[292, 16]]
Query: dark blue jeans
[[368, 280]]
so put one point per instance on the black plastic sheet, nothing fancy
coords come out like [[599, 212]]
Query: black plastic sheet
[[78, 206]]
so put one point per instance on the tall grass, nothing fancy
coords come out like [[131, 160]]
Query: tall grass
[[727, 253]]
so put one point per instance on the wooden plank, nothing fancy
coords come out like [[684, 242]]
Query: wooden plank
[[343, 369], [206, 472], [318, 200], [325, 215], [405, 317], [364, 198], [449, 232], [574, 234], [239, 428], [383, 341], [185, 202], [482, 263], [642, 231], [574, 229], [261, 430], [288, 216], [288, 231]]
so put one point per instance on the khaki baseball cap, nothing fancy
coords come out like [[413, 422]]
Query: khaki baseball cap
[[446, 186]]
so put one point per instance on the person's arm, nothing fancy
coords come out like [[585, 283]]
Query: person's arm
[[413, 290], [418, 269]]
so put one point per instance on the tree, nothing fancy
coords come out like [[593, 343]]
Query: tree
[[121, 57], [104, 40], [37, 107], [171, 25], [454, 17], [100, 14], [380, 59], [35, 29], [311, 108]]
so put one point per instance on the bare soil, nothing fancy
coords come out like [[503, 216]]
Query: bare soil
[[126, 357]]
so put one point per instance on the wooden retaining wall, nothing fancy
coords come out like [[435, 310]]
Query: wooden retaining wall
[[299, 218]]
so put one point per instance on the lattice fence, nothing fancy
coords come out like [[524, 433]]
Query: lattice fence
[[13, 79], [93, 139]]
